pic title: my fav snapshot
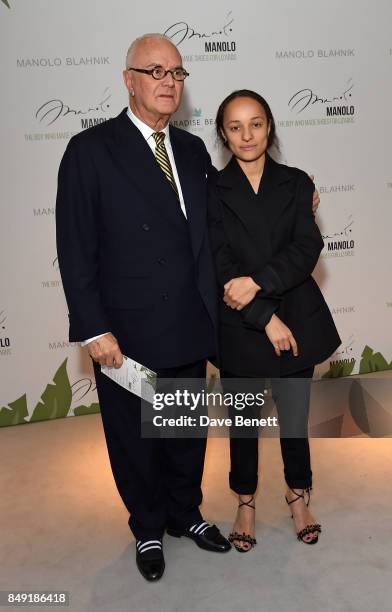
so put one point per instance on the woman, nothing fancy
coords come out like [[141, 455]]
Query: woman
[[274, 321]]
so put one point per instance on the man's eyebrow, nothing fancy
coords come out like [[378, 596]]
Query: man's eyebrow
[[156, 64]]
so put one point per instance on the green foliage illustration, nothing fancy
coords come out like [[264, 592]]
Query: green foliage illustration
[[55, 403], [82, 410], [6, 3], [56, 399], [373, 362], [14, 413]]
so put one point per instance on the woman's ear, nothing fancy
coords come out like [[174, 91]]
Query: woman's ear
[[223, 135]]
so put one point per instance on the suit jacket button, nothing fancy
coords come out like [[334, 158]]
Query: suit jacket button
[[145, 227], [165, 296], [162, 261]]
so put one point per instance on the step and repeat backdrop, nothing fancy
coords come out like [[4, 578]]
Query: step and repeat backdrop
[[325, 68]]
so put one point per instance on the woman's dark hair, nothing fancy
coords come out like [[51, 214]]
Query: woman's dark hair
[[246, 93]]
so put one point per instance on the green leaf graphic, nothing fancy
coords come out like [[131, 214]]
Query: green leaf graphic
[[6, 3], [373, 362], [339, 369], [56, 399], [82, 410], [15, 413]]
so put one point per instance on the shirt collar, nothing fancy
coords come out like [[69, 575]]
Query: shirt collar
[[145, 129]]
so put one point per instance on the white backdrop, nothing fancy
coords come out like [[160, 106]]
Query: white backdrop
[[324, 67]]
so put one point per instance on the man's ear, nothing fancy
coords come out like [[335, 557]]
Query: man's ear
[[128, 80]]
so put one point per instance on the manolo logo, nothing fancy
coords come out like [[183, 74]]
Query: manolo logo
[[336, 104], [55, 109], [215, 42], [345, 354], [340, 243]]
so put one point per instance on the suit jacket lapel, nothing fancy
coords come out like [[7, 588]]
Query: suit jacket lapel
[[194, 188], [138, 163]]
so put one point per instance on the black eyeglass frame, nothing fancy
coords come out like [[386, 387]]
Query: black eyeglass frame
[[151, 73]]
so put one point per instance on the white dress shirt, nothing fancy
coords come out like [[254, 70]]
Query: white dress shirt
[[148, 132]]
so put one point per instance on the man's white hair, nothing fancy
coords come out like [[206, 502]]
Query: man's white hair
[[137, 41]]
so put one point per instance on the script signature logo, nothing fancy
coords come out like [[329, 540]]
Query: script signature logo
[[52, 110], [180, 31], [81, 388], [305, 97], [347, 348], [346, 231]]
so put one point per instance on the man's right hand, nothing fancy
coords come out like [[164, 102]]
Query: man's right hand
[[105, 351]]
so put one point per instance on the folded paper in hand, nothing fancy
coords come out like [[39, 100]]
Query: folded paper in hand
[[134, 377]]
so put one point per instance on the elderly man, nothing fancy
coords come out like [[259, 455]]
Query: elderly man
[[138, 278]]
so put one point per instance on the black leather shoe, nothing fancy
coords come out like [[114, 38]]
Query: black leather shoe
[[149, 559], [206, 536]]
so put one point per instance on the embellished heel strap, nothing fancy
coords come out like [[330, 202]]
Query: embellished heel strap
[[242, 537]]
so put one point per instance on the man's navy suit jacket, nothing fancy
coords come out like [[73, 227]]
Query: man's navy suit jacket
[[131, 263]]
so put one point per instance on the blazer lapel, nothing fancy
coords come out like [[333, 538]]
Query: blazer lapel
[[275, 191], [138, 163], [194, 187], [258, 213]]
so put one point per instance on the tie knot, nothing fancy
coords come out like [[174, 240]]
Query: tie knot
[[159, 137]]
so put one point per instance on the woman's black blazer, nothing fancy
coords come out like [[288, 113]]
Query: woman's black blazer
[[272, 237]]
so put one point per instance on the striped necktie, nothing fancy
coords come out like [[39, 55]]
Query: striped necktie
[[163, 160]]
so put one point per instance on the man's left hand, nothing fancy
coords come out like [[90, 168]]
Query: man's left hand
[[240, 291]]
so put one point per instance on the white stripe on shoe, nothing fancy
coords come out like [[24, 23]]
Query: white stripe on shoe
[[140, 545], [149, 548], [199, 530]]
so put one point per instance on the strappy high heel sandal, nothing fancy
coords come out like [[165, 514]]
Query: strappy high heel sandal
[[309, 528], [243, 537]]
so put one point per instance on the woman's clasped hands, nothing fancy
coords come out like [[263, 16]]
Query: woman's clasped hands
[[240, 291]]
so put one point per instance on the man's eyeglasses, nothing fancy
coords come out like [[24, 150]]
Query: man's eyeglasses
[[158, 73]]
